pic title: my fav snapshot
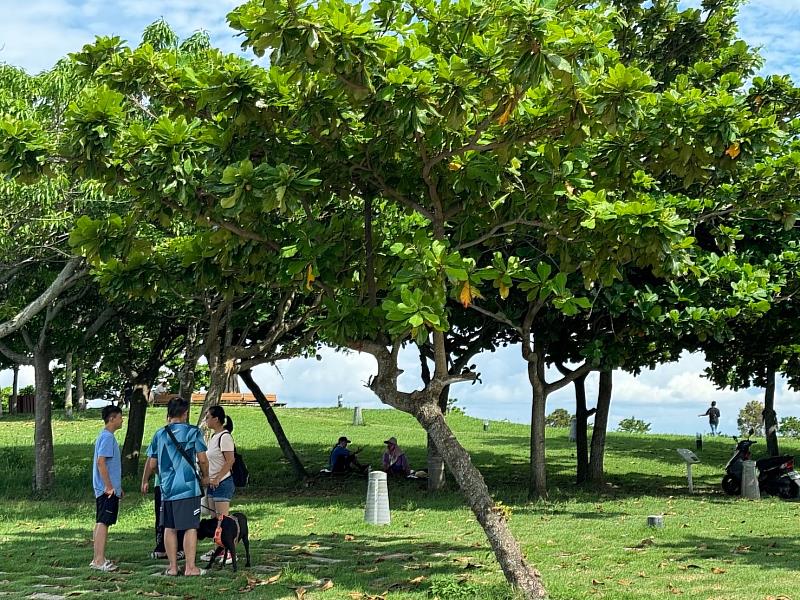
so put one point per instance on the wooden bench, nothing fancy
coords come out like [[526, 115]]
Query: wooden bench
[[228, 399]]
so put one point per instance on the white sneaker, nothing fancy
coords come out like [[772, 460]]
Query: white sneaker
[[207, 556]]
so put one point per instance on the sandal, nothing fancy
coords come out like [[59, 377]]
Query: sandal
[[199, 573], [181, 555], [168, 574], [155, 554], [106, 567]]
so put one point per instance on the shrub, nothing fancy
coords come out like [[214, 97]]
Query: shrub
[[790, 427], [633, 425], [558, 418]]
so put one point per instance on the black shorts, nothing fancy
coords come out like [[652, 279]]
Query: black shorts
[[107, 509], [181, 514]]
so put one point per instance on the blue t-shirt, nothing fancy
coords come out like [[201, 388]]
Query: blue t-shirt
[[106, 446], [338, 454], [176, 475]]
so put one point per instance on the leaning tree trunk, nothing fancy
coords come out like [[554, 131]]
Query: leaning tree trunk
[[770, 418], [537, 483], [596, 470], [79, 391], [135, 433], [68, 385], [509, 555], [12, 402], [44, 470], [581, 427], [275, 424]]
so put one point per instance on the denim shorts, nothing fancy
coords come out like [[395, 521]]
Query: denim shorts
[[224, 491]]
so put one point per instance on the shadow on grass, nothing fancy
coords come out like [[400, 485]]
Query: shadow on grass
[[773, 552], [56, 562]]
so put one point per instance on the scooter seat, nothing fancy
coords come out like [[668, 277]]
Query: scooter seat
[[772, 462]]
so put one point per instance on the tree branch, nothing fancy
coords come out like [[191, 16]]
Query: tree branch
[[65, 279]]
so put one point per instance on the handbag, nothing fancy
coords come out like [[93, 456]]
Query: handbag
[[187, 459]]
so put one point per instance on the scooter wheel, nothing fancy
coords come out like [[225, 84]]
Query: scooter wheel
[[787, 490], [731, 485]]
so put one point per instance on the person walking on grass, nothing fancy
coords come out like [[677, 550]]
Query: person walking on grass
[[713, 417], [107, 482], [174, 450], [220, 462]]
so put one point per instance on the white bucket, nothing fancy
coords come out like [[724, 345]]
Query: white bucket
[[377, 510]]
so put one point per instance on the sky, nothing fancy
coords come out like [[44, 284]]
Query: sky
[[34, 34]]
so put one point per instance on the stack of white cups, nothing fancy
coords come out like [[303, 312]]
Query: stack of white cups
[[377, 510]]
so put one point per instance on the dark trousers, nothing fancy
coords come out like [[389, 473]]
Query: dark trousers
[[159, 527]]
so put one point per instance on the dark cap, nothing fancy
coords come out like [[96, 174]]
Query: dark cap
[[344, 439], [392, 440]]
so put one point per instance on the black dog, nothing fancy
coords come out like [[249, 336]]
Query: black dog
[[234, 528]]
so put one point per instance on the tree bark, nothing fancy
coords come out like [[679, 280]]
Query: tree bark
[[275, 424], [581, 427], [437, 476], [44, 470], [232, 383], [79, 392], [596, 470], [537, 483], [508, 552], [68, 385], [770, 417], [191, 354], [12, 402], [132, 445]]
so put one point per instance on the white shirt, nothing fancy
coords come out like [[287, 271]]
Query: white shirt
[[217, 444]]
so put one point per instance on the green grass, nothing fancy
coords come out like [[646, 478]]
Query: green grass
[[586, 544]]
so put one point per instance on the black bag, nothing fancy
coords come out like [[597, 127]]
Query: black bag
[[239, 470]]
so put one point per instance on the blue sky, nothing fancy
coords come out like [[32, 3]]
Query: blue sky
[[34, 34]]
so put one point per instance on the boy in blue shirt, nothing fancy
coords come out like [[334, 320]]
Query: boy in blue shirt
[[107, 482], [343, 460]]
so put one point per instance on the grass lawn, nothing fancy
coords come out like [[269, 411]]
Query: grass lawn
[[586, 544]]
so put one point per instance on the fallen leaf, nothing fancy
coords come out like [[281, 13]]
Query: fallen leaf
[[417, 580], [596, 582], [674, 590], [349, 538], [393, 556], [717, 571], [741, 550], [624, 582]]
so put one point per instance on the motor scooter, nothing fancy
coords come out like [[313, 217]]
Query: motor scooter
[[776, 474]]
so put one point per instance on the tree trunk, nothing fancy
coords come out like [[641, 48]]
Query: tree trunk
[[537, 484], [509, 555], [436, 471], [596, 471], [191, 354], [581, 427], [68, 385], [132, 445], [275, 424], [770, 418], [232, 383], [12, 402], [79, 392], [44, 470]]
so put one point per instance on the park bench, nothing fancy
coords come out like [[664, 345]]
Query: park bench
[[227, 399]]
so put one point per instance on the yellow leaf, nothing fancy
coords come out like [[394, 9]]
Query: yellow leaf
[[733, 150], [717, 571], [309, 277], [454, 166], [466, 295], [503, 119], [504, 290]]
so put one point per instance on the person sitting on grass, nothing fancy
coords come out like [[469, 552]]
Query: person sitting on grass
[[343, 460], [395, 461]]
